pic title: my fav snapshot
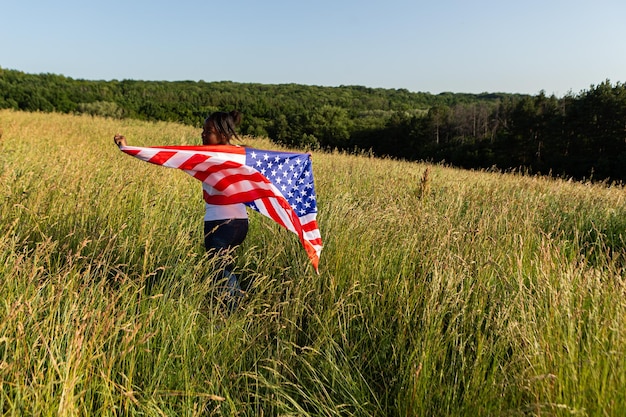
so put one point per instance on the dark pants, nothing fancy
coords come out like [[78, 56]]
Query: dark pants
[[222, 236]]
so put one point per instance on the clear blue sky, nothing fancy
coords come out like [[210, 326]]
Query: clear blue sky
[[430, 46]]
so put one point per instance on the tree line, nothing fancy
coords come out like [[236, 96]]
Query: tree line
[[579, 135]]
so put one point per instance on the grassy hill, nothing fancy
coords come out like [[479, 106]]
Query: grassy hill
[[441, 291]]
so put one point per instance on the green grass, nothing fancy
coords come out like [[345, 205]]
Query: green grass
[[447, 293]]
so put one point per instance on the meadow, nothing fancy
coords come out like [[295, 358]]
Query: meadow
[[441, 291]]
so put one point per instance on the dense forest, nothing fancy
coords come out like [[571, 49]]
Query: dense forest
[[579, 135]]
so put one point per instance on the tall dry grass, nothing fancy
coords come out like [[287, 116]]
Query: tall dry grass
[[442, 291]]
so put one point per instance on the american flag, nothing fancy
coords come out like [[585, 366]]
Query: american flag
[[276, 184]]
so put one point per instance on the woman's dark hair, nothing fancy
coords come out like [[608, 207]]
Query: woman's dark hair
[[225, 124]]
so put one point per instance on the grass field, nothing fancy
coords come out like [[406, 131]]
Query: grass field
[[441, 291]]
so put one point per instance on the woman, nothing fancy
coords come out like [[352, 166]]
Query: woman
[[225, 226]]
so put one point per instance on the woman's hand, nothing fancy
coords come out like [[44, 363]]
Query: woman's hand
[[119, 140]]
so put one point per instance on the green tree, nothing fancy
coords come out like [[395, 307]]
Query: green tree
[[331, 126]]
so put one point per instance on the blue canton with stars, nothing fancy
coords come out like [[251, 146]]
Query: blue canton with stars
[[291, 173]]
